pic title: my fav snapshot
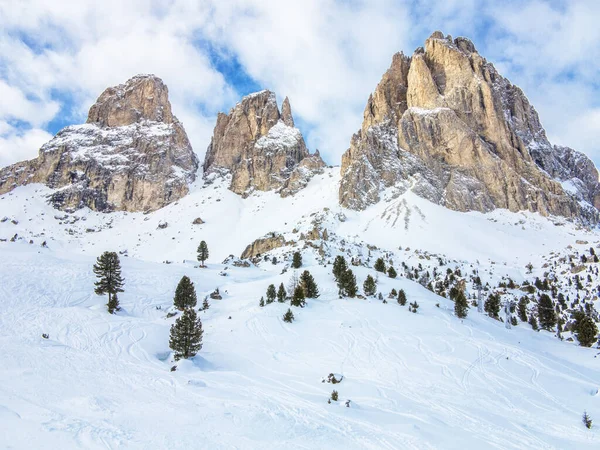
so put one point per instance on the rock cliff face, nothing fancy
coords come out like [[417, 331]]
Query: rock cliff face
[[131, 155], [260, 148], [445, 124]]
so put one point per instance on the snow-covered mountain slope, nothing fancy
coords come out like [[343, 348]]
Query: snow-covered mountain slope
[[424, 380]]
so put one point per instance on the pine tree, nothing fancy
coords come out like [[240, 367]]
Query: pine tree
[[401, 297], [587, 420], [339, 267], [587, 331], [108, 271], [298, 299], [369, 286], [334, 396], [271, 293], [492, 305], [261, 303], [413, 306], [185, 294], [546, 312], [347, 284], [202, 252], [205, 304], [461, 306], [281, 294], [288, 316], [186, 335], [297, 260], [311, 290], [379, 265], [392, 272], [533, 322], [522, 309]]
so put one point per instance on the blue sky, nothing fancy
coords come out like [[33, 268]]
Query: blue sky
[[325, 55]]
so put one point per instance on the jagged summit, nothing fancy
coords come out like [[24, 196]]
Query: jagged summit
[[445, 124], [132, 154], [260, 148]]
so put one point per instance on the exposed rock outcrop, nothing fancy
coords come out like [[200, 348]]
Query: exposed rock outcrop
[[132, 154], [260, 148], [263, 245], [445, 124]]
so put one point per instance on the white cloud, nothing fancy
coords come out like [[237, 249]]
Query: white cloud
[[18, 146]]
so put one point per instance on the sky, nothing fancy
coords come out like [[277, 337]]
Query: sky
[[327, 56]]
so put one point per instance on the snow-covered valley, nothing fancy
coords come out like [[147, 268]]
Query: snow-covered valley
[[423, 380]]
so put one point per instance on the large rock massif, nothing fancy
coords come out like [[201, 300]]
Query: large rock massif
[[260, 148], [445, 124], [132, 154]]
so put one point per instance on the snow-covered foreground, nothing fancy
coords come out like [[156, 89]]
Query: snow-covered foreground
[[425, 380]]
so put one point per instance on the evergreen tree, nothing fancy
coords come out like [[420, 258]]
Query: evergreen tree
[[334, 396], [369, 286], [186, 335], [311, 290], [492, 305], [261, 303], [379, 265], [339, 267], [205, 304], [547, 315], [113, 304], [108, 271], [533, 322], [288, 316], [202, 252], [587, 331], [281, 294], [392, 272], [461, 306], [185, 294], [271, 293], [298, 299], [401, 297], [587, 420], [522, 309], [413, 306], [297, 260], [347, 284]]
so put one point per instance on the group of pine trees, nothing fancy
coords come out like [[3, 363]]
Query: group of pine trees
[[344, 277], [186, 333]]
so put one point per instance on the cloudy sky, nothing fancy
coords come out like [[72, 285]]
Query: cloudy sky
[[56, 57]]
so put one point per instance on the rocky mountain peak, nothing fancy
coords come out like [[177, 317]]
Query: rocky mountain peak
[[260, 148], [445, 124], [132, 154], [143, 97]]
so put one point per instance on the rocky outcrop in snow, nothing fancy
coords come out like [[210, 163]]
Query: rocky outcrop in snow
[[445, 124], [260, 148], [132, 154]]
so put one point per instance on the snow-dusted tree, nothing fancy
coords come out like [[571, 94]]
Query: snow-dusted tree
[[522, 309], [369, 286], [311, 290], [379, 265], [186, 335], [271, 293], [339, 267], [281, 294], [461, 306], [185, 294], [587, 420], [108, 271], [205, 304], [297, 260], [293, 282], [533, 321], [288, 316], [261, 303], [202, 252], [402, 297], [298, 299], [547, 315], [492, 305], [587, 331]]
